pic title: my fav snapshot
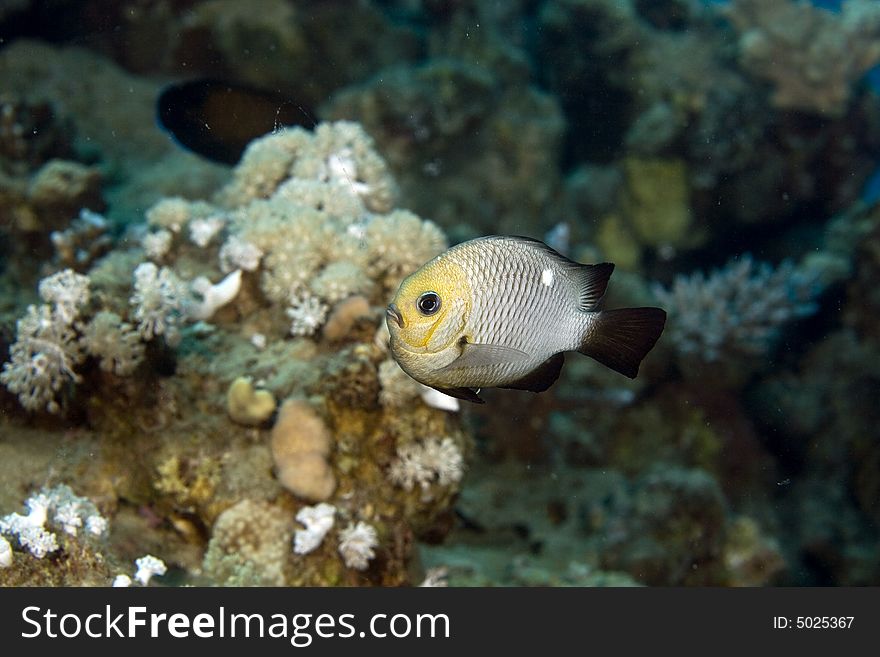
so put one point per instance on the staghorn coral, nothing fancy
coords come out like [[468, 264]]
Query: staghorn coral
[[812, 56]]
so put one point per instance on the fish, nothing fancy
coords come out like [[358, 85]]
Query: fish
[[217, 119], [501, 312]]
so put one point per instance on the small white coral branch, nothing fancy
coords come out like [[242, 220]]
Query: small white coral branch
[[318, 520], [307, 314], [357, 544], [159, 298], [214, 296], [67, 511], [5, 553], [41, 359], [68, 292], [426, 463], [203, 230], [148, 567]]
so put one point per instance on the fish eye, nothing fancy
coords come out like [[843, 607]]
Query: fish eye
[[428, 303]]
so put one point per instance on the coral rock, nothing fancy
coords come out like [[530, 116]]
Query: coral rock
[[246, 405], [300, 445]]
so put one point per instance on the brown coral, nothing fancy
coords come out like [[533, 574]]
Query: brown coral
[[301, 443]]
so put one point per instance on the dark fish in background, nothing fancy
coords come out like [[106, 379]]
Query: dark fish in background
[[218, 119]]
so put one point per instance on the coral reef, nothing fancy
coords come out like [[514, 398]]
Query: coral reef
[[332, 439], [813, 57], [199, 350], [430, 114], [735, 314]]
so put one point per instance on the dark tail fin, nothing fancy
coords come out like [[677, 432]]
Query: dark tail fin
[[620, 339]]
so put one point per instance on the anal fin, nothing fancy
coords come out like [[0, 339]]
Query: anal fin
[[540, 378], [467, 394]]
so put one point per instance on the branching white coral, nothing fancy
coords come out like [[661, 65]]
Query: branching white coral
[[307, 314], [157, 244], [734, 311], [42, 359], [59, 507], [357, 544], [236, 253], [432, 461], [68, 292], [160, 300], [114, 342], [318, 520], [203, 230], [148, 567]]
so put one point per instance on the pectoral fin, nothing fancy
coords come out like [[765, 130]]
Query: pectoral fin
[[467, 394], [485, 355], [540, 378]]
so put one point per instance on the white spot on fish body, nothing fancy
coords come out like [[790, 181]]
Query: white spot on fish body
[[547, 277]]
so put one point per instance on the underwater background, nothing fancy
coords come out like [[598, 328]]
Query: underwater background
[[205, 206]]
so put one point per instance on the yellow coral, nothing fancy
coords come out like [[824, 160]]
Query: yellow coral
[[657, 201], [248, 406]]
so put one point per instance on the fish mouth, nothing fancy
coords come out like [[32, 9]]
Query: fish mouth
[[393, 313]]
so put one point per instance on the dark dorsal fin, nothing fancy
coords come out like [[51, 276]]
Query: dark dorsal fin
[[540, 378], [592, 281]]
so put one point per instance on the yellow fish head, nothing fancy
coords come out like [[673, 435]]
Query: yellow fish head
[[429, 311]]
